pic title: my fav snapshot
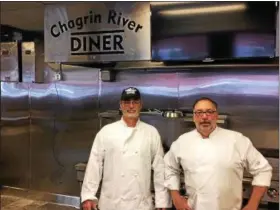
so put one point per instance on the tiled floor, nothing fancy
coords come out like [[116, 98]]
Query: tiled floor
[[9, 202]]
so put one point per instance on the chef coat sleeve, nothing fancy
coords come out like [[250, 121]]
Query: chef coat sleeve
[[257, 165], [94, 170], [162, 196], [172, 168]]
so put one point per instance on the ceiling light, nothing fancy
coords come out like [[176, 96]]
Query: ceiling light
[[213, 9], [165, 3]]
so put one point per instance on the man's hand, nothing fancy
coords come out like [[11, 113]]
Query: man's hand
[[179, 201], [256, 196], [89, 205], [250, 207]]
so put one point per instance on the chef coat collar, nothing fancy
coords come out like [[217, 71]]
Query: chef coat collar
[[212, 134], [124, 123]]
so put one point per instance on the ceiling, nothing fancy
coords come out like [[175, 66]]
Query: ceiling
[[23, 15], [26, 15]]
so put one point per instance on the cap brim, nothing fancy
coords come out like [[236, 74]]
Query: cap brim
[[128, 98]]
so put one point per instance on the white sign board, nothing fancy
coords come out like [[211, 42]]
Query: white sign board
[[97, 31]]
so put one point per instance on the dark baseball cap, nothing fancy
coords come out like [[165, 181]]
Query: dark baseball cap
[[130, 93]]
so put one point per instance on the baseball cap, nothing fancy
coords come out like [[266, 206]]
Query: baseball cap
[[130, 93]]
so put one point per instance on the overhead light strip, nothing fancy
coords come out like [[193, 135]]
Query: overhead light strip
[[204, 10], [165, 3]]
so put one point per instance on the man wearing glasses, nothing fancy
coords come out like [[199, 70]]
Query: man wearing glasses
[[125, 152], [213, 160]]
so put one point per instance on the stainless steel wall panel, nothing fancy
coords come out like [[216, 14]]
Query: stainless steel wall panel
[[44, 164], [249, 96], [169, 128], [76, 123], [44, 72], [79, 75], [9, 62], [158, 90], [64, 116], [15, 141]]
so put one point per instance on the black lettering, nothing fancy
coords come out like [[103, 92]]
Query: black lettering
[[53, 32], [106, 42], [71, 24], [138, 27], [62, 27], [90, 16], [125, 21], [79, 23], [118, 42], [97, 18], [73, 46], [119, 19], [111, 17], [131, 25], [85, 19], [95, 43], [85, 43]]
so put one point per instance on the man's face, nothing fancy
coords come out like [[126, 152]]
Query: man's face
[[205, 116], [131, 109]]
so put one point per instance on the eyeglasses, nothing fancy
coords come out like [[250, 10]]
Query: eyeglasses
[[208, 113], [131, 102]]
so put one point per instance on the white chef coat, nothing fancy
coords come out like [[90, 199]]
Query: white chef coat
[[126, 157], [213, 168]]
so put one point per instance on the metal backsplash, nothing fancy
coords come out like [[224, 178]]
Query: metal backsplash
[[159, 90], [53, 125], [249, 96], [15, 134]]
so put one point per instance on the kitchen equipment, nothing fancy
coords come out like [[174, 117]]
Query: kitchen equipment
[[173, 114], [272, 194]]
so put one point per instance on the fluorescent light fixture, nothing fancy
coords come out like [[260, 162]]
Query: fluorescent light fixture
[[165, 3], [201, 10]]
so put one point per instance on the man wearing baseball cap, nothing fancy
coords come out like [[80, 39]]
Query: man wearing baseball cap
[[123, 155]]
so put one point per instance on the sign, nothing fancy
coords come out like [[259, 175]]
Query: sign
[[97, 31]]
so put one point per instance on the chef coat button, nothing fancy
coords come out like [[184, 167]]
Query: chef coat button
[[135, 175], [122, 175], [136, 152]]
